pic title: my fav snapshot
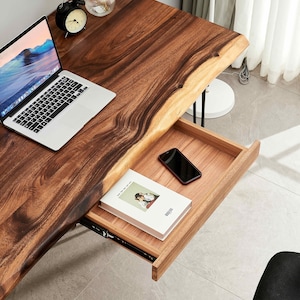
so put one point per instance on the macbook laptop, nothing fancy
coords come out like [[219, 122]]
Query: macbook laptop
[[39, 99]]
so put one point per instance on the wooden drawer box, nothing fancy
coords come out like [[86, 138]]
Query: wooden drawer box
[[222, 163]]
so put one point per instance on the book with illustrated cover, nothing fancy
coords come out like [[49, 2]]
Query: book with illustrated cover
[[145, 204]]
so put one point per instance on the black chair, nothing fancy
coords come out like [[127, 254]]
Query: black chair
[[281, 278]]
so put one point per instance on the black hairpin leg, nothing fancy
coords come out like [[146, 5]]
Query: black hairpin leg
[[194, 113], [203, 110]]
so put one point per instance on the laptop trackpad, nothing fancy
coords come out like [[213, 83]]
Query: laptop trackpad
[[77, 116]]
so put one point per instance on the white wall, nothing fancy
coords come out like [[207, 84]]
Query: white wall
[[16, 15]]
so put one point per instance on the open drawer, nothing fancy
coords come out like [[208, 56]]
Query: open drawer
[[222, 163]]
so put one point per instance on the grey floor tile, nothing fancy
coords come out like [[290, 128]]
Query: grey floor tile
[[254, 222], [127, 277], [67, 268], [279, 159], [260, 110]]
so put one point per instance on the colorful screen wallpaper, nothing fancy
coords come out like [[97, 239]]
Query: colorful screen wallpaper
[[25, 65]]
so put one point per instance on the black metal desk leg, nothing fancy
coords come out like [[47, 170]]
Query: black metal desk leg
[[203, 108]]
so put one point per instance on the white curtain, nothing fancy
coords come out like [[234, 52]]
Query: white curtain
[[273, 30]]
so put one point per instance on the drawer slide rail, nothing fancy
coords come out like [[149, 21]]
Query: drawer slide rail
[[106, 234]]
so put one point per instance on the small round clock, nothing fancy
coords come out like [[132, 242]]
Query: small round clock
[[70, 17]]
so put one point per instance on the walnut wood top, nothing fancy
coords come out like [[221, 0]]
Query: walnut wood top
[[158, 60]]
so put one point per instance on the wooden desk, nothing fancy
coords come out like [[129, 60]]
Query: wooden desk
[[158, 60]]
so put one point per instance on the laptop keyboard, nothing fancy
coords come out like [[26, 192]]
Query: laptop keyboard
[[44, 109]]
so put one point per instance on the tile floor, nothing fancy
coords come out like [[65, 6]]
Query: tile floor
[[260, 217]]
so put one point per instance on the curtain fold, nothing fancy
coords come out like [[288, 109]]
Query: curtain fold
[[272, 28], [197, 8], [224, 10]]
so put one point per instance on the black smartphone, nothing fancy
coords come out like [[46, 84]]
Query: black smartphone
[[180, 166]]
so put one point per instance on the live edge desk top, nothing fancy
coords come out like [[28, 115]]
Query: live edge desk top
[[158, 60]]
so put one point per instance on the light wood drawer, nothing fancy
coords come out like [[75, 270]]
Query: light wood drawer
[[222, 163]]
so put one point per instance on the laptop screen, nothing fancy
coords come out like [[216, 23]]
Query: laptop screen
[[25, 64]]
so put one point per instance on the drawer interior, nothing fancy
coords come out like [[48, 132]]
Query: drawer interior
[[221, 162]]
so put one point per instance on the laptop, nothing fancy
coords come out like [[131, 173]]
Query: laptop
[[39, 99]]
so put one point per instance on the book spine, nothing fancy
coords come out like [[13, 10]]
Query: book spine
[[106, 234]]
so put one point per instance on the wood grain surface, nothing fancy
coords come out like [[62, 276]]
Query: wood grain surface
[[158, 60]]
